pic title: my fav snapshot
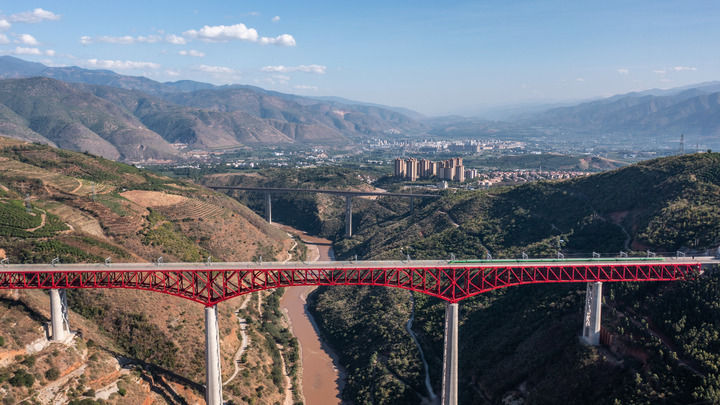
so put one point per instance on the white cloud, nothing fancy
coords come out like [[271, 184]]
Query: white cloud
[[276, 18], [122, 64], [4, 24], [26, 51], [192, 52], [50, 52], [318, 69], [623, 71], [684, 68], [660, 71], [172, 73], [4, 39], [175, 39], [579, 79], [27, 39], [215, 69], [282, 40], [225, 33], [122, 40], [35, 16], [305, 87]]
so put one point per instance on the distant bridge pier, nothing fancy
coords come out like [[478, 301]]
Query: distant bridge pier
[[213, 378], [450, 358], [268, 208], [412, 205], [58, 315], [348, 215], [593, 307]]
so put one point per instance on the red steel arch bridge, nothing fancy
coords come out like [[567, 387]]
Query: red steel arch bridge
[[452, 281]]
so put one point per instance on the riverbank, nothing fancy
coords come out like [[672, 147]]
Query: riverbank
[[322, 378]]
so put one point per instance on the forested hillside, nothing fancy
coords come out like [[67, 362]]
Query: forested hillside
[[521, 344], [664, 205]]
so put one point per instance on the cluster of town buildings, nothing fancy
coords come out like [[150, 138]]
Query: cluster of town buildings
[[507, 177], [450, 169]]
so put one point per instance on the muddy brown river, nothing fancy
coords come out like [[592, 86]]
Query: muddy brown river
[[322, 378]]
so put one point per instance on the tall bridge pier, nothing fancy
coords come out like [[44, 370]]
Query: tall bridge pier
[[58, 315], [211, 283], [268, 208], [348, 215], [213, 377], [450, 357], [593, 308]]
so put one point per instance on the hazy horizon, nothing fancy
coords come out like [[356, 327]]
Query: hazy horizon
[[453, 58]]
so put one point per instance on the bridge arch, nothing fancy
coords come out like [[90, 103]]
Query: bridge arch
[[221, 282]]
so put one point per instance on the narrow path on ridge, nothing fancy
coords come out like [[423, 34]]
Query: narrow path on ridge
[[245, 340], [408, 326]]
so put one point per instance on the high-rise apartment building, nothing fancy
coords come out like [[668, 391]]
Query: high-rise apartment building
[[412, 169], [400, 168]]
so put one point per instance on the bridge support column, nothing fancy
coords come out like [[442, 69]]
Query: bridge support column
[[268, 208], [450, 358], [348, 215], [412, 205], [213, 378], [58, 315], [593, 308]]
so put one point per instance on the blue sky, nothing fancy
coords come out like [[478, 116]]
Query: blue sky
[[435, 57]]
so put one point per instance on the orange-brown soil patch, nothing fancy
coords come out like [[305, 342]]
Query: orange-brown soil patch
[[153, 198]]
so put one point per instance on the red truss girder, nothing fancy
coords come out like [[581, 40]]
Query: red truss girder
[[448, 283]]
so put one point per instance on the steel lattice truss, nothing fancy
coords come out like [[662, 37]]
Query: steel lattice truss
[[450, 283]]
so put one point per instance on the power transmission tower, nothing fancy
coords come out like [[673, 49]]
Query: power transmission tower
[[682, 144]]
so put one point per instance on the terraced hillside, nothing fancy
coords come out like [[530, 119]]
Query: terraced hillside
[[136, 347]]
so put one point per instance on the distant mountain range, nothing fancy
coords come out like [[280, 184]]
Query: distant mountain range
[[135, 118], [661, 114]]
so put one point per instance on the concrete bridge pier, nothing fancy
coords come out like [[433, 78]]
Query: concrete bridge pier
[[450, 358], [412, 205], [213, 378], [59, 328], [268, 208], [348, 215], [593, 308]]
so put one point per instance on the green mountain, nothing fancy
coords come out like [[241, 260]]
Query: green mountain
[[520, 344], [664, 205]]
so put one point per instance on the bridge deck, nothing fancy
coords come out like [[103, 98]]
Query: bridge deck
[[323, 191], [339, 265]]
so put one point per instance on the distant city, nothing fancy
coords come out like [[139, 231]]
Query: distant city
[[453, 169]]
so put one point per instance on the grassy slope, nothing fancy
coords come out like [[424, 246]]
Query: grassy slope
[[203, 223]]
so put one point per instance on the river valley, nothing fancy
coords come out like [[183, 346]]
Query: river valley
[[322, 377]]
